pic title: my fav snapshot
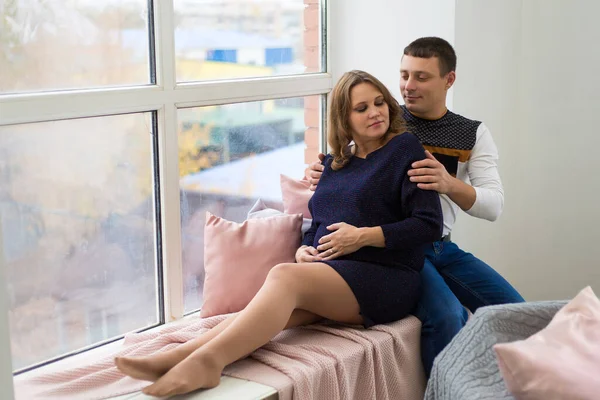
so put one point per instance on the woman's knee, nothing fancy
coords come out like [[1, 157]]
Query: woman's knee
[[283, 274]]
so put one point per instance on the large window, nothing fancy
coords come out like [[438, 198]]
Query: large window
[[78, 229], [230, 156], [65, 44], [121, 122]]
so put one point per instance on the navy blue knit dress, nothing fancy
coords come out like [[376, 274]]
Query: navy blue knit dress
[[376, 191]]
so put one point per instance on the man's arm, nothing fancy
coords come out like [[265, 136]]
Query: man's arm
[[462, 194], [430, 174], [484, 198], [485, 178]]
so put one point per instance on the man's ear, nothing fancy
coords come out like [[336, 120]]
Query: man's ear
[[450, 78]]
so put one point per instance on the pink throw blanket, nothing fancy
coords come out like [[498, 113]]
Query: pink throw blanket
[[323, 361]]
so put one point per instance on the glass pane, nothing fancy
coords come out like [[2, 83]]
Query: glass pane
[[222, 39], [67, 44], [232, 155], [78, 232]]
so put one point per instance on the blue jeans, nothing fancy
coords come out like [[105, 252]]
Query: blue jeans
[[453, 278]]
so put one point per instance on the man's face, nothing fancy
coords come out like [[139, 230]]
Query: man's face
[[422, 86]]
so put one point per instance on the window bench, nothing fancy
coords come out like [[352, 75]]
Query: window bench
[[318, 359]]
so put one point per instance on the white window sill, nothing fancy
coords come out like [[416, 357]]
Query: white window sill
[[229, 388]]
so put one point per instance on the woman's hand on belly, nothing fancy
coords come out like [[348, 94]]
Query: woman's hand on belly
[[344, 239], [307, 254]]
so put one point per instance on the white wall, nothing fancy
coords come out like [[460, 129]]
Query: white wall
[[371, 35], [530, 70]]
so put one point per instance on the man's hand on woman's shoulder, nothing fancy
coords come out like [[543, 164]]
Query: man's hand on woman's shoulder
[[430, 174], [315, 170]]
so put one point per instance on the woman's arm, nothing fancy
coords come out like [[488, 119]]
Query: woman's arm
[[424, 222], [423, 225], [424, 219]]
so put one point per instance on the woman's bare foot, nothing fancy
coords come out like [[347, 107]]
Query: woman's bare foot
[[198, 371], [143, 368]]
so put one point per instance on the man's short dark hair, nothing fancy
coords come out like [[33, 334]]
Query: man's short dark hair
[[427, 47]]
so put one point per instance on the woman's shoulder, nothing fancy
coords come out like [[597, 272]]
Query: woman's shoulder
[[406, 143], [408, 139]]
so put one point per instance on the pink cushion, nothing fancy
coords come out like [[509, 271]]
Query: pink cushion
[[562, 361], [295, 194], [238, 257]]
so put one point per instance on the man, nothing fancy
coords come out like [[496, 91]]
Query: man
[[461, 165]]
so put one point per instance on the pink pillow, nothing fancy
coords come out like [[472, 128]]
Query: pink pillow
[[238, 257], [295, 194], [562, 361]]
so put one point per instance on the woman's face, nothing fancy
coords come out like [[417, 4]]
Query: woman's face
[[369, 116]]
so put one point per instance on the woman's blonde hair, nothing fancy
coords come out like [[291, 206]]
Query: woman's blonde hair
[[339, 133]]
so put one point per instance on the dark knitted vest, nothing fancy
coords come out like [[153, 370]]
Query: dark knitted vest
[[450, 139]]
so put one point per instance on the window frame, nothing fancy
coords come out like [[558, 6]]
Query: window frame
[[164, 98]]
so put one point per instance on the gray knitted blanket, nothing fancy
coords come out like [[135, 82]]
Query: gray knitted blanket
[[467, 368]]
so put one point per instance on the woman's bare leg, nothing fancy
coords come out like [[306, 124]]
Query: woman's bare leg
[[313, 287], [150, 368]]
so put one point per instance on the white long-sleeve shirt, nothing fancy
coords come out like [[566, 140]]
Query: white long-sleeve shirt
[[481, 172], [467, 150]]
